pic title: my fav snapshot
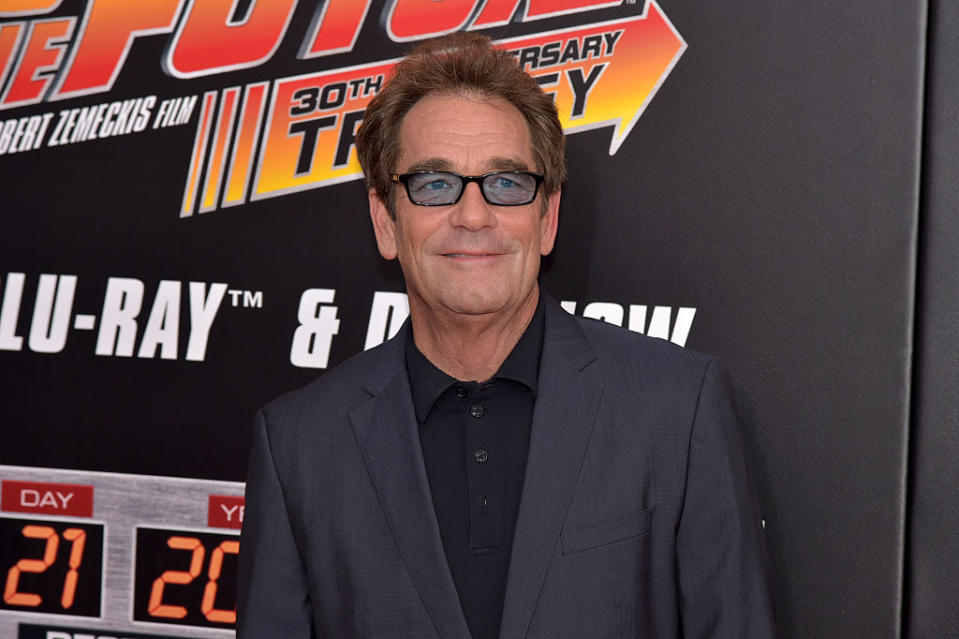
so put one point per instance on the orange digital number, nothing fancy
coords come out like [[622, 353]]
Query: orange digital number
[[156, 607], [209, 593], [10, 594], [78, 538]]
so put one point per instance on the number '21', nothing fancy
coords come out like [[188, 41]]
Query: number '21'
[[75, 536]]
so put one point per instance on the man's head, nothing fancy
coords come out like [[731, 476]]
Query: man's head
[[457, 105], [459, 64]]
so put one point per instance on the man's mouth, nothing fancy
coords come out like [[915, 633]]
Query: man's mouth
[[469, 255]]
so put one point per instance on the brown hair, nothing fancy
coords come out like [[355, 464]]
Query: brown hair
[[457, 63]]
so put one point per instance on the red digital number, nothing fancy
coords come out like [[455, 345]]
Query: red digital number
[[10, 594], [209, 593], [78, 538], [156, 607]]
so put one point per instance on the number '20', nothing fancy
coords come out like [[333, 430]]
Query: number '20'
[[157, 608]]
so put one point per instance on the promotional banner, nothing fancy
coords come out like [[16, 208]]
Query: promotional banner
[[185, 236]]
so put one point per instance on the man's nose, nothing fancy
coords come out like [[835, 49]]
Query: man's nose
[[473, 212]]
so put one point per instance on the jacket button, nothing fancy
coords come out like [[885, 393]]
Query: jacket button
[[460, 392], [480, 456], [477, 411]]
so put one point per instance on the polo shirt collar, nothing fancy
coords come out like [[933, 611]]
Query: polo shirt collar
[[427, 382]]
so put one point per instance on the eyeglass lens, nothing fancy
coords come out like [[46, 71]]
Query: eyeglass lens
[[503, 187]]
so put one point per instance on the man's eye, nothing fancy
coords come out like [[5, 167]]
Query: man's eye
[[503, 182], [431, 183]]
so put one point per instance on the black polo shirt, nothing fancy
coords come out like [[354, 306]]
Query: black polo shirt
[[475, 440]]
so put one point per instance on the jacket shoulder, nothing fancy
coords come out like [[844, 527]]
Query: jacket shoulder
[[620, 347], [332, 396]]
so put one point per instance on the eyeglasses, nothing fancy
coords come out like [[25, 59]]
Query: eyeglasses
[[440, 188]]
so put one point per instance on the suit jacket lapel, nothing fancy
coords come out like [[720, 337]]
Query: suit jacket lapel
[[387, 433], [566, 406]]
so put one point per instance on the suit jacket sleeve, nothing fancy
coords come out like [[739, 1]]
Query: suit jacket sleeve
[[272, 593], [720, 542]]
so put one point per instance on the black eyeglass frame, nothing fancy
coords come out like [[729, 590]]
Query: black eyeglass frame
[[404, 179]]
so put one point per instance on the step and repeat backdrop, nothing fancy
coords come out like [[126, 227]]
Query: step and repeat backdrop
[[184, 236]]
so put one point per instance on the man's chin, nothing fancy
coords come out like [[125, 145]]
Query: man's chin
[[482, 303]]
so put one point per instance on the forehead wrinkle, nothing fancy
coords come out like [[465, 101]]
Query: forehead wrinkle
[[438, 136]]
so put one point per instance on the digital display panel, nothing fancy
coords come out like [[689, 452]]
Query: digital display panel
[[53, 567], [185, 577]]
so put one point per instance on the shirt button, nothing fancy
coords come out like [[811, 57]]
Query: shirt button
[[480, 456], [477, 411], [460, 392]]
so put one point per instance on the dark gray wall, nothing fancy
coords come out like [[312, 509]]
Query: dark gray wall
[[933, 554]]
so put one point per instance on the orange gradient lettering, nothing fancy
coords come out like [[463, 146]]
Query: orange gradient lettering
[[222, 133], [546, 8], [9, 37], [605, 74], [209, 41], [17, 8], [334, 27], [308, 139], [601, 75], [500, 12], [199, 154], [415, 19], [107, 32], [247, 135], [46, 41], [495, 13]]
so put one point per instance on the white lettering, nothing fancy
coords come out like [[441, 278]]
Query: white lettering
[[684, 322], [203, 310], [51, 320], [33, 495], [118, 326], [64, 498], [389, 312], [163, 326], [10, 311], [659, 323], [318, 324], [612, 313]]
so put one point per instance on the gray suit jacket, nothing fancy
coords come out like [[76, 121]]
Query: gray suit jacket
[[637, 519]]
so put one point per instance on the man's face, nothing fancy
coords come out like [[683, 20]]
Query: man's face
[[471, 257]]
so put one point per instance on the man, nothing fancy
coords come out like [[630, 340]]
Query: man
[[499, 468]]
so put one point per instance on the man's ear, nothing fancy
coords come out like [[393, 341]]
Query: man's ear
[[549, 222], [383, 226]]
